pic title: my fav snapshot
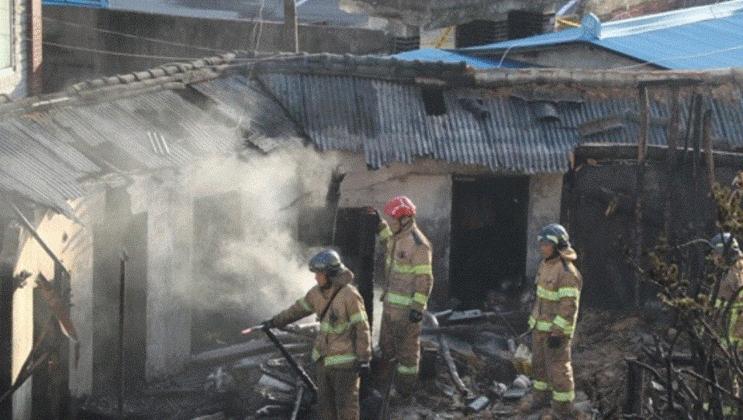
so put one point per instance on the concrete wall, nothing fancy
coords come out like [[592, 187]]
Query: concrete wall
[[35, 260], [432, 14], [77, 255], [13, 80], [169, 209], [545, 193], [428, 184], [80, 41]]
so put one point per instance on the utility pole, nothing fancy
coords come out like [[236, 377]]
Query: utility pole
[[291, 33]]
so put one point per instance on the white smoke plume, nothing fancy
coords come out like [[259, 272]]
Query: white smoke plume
[[265, 270]]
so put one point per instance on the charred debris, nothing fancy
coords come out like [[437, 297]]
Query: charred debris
[[471, 362]]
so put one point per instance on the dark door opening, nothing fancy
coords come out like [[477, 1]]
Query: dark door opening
[[352, 232], [8, 256], [488, 238], [122, 231]]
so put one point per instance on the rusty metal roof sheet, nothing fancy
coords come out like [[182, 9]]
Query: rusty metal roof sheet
[[372, 106], [388, 122]]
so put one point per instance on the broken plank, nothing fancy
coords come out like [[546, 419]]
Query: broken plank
[[242, 350]]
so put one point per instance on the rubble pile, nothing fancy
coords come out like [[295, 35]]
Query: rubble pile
[[604, 341], [475, 365]]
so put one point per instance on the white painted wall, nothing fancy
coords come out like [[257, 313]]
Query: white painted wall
[[427, 183], [77, 255], [545, 195], [13, 79]]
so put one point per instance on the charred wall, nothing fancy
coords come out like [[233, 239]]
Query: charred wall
[[8, 255], [599, 210], [122, 235]]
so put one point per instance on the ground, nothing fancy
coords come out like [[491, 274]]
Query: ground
[[487, 360]]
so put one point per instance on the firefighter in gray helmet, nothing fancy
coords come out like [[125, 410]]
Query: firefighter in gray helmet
[[726, 250], [343, 346], [553, 321]]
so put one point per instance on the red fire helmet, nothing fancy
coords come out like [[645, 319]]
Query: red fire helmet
[[400, 206]]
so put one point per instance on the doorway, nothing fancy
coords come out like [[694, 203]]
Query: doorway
[[121, 231], [488, 238]]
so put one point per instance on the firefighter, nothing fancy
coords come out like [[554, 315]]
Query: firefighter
[[409, 282], [730, 284], [553, 321], [342, 348]]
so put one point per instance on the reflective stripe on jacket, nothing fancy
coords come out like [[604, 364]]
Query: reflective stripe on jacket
[[344, 331], [558, 294], [407, 268], [728, 286]]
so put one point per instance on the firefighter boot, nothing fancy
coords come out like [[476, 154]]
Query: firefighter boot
[[564, 411], [535, 401]]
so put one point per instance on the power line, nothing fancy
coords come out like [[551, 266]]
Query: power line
[[116, 53], [257, 40], [132, 36]]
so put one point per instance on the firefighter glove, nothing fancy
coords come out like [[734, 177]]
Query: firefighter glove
[[554, 342], [415, 316]]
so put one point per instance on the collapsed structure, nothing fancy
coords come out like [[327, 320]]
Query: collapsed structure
[[201, 185]]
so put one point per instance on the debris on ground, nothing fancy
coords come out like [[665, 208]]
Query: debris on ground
[[475, 365]]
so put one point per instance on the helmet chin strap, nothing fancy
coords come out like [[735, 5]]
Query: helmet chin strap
[[555, 253], [404, 222], [328, 283]]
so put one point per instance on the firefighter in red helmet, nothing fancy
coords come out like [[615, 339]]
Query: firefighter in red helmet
[[409, 282]]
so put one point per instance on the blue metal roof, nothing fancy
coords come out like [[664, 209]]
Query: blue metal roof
[[87, 3], [702, 37], [445, 56]]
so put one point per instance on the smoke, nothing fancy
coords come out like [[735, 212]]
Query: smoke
[[251, 264]]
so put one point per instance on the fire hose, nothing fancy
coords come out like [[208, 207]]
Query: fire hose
[[303, 376], [446, 352]]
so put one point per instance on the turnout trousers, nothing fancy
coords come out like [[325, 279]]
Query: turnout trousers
[[551, 368], [400, 339], [338, 393]]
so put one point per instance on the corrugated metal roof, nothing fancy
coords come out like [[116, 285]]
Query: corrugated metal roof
[[445, 56], [48, 147], [702, 37], [388, 122], [48, 153]]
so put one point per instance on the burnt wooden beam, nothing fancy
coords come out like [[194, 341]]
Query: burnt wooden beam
[[635, 388], [642, 144], [707, 139], [628, 151], [674, 133]]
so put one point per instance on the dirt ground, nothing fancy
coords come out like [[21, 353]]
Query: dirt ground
[[603, 341]]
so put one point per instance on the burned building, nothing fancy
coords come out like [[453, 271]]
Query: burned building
[[185, 189]]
